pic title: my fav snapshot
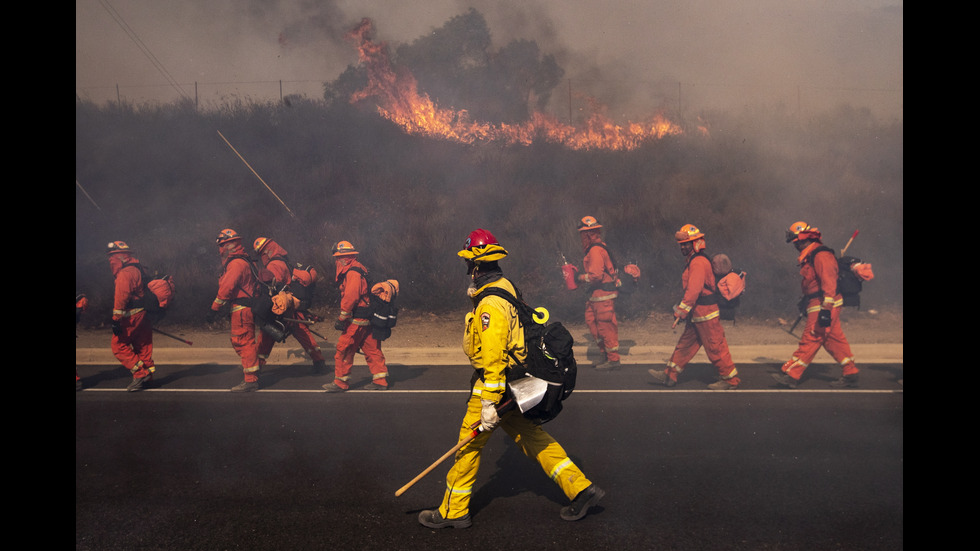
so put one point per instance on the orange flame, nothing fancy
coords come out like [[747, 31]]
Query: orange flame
[[400, 102]]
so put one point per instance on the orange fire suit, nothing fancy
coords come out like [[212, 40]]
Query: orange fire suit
[[492, 329], [354, 302], [133, 346], [699, 309], [236, 286], [818, 268], [600, 311], [274, 259]]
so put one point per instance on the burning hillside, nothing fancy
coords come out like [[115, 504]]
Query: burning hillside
[[399, 100]]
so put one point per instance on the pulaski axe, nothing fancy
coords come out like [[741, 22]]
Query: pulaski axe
[[523, 393]]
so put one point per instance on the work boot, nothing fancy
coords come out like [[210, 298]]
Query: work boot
[[332, 387], [582, 502], [845, 381], [139, 383], [722, 384], [607, 366], [433, 519], [662, 377], [319, 366], [246, 386], [375, 386], [785, 380]]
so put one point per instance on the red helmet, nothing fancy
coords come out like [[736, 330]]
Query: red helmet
[[479, 238], [227, 236], [482, 246]]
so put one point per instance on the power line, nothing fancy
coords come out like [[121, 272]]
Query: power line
[[166, 74]]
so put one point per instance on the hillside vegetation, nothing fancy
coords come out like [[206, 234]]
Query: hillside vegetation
[[311, 172], [163, 180]]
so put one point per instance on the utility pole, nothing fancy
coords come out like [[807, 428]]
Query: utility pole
[[569, 101]]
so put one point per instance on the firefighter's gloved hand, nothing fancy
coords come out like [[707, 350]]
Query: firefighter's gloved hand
[[116, 328], [211, 317], [489, 418], [823, 318], [341, 325]]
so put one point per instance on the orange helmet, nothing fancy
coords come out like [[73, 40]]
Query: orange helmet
[[260, 244], [117, 247], [227, 236], [687, 233], [344, 248], [801, 230], [588, 223]]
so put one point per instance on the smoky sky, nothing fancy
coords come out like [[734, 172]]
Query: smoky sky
[[632, 56]]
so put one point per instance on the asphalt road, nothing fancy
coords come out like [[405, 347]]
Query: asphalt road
[[188, 465]]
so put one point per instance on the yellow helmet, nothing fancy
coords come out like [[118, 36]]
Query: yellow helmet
[[801, 230], [588, 223], [688, 232], [344, 248], [481, 246]]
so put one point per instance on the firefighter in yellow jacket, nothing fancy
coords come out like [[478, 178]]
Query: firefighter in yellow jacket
[[492, 331]]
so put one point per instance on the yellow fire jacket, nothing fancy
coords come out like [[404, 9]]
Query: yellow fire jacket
[[492, 329]]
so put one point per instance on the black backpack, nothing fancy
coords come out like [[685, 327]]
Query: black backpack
[[549, 357], [849, 285]]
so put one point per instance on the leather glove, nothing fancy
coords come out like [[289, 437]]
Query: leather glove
[[116, 328], [488, 415], [341, 325], [823, 318], [680, 313]]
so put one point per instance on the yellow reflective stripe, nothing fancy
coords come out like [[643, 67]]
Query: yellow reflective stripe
[[252, 369], [848, 360], [734, 373], [600, 299], [838, 303], [684, 307], [495, 387], [127, 313], [559, 468], [361, 322], [237, 307], [220, 301], [459, 491], [710, 316], [379, 376]]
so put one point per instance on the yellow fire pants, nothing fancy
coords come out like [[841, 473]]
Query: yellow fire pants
[[534, 442]]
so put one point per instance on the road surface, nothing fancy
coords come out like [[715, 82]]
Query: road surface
[[188, 465]]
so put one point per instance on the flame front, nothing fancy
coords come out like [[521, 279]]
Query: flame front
[[399, 101]]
